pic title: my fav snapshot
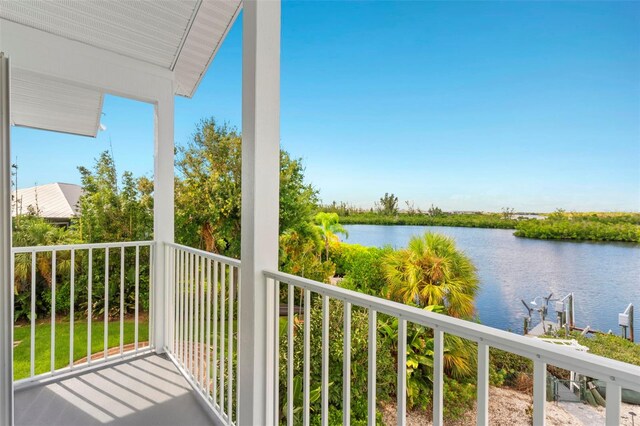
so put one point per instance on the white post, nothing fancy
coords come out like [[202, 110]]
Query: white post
[[482, 418], [539, 392], [163, 210], [260, 206], [6, 285], [614, 398]]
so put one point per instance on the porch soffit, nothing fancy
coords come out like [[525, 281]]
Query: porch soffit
[[179, 37]]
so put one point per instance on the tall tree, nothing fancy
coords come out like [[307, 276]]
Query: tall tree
[[208, 198], [111, 213], [432, 271], [388, 204]]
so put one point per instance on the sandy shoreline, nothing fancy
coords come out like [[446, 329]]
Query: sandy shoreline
[[508, 407]]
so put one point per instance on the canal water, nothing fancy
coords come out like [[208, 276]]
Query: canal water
[[604, 277]]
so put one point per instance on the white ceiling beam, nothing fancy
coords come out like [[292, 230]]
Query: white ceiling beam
[[83, 65]]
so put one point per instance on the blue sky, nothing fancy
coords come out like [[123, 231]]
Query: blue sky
[[465, 105]]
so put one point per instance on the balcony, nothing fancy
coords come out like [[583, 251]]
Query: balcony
[[119, 379], [205, 343], [101, 369]]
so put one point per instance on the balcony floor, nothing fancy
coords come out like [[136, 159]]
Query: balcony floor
[[144, 391]]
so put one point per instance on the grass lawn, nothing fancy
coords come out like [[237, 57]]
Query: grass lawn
[[22, 336]]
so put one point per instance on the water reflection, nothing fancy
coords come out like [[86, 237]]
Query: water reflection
[[605, 277]]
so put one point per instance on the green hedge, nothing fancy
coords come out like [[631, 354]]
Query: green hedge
[[22, 284], [578, 229], [475, 220], [360, 267]]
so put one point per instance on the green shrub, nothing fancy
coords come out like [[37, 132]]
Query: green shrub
[[580, 228], [360, 267], [505, 368], [43, 289], [458, 398], [610, 346], [386, 372]]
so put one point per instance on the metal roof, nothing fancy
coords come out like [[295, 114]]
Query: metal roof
[[179, 36], [51, 201]]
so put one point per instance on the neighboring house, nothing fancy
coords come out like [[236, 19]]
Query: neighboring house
[[56, 202]]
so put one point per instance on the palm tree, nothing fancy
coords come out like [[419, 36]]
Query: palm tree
[[432, 271], [329, 226], [36, 231]]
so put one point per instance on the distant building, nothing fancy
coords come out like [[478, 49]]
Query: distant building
[[56, 202]]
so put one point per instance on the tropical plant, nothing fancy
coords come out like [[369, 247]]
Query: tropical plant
[[31, 230], [300, 254], [458, 357], [432, 271], [329, 225], [298, 400]]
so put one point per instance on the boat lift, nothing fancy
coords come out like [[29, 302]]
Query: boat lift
[[565, 312], [542, 307]]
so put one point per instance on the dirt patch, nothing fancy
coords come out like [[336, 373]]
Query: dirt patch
[[628, 419], [596, 415], [507, 407]]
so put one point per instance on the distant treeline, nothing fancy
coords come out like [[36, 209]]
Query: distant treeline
[[583, 226], [471, 220], [559, 225]]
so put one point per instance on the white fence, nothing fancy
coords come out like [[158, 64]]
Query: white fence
[[112, 267], [618, 375], [203, 322]]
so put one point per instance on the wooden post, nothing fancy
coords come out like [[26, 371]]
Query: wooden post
[[571, 312], [631, 337]]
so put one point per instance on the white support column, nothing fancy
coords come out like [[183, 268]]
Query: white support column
[[163, 210], [260, 199], [6, 286]]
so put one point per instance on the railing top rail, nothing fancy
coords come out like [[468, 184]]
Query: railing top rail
[[81, 246], [623, 374], [224, 259]]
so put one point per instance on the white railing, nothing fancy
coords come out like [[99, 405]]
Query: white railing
[[116, 268], [202, 324], [616, 374]]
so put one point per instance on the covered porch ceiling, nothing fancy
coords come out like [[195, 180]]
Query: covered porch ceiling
[[155, 41]]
